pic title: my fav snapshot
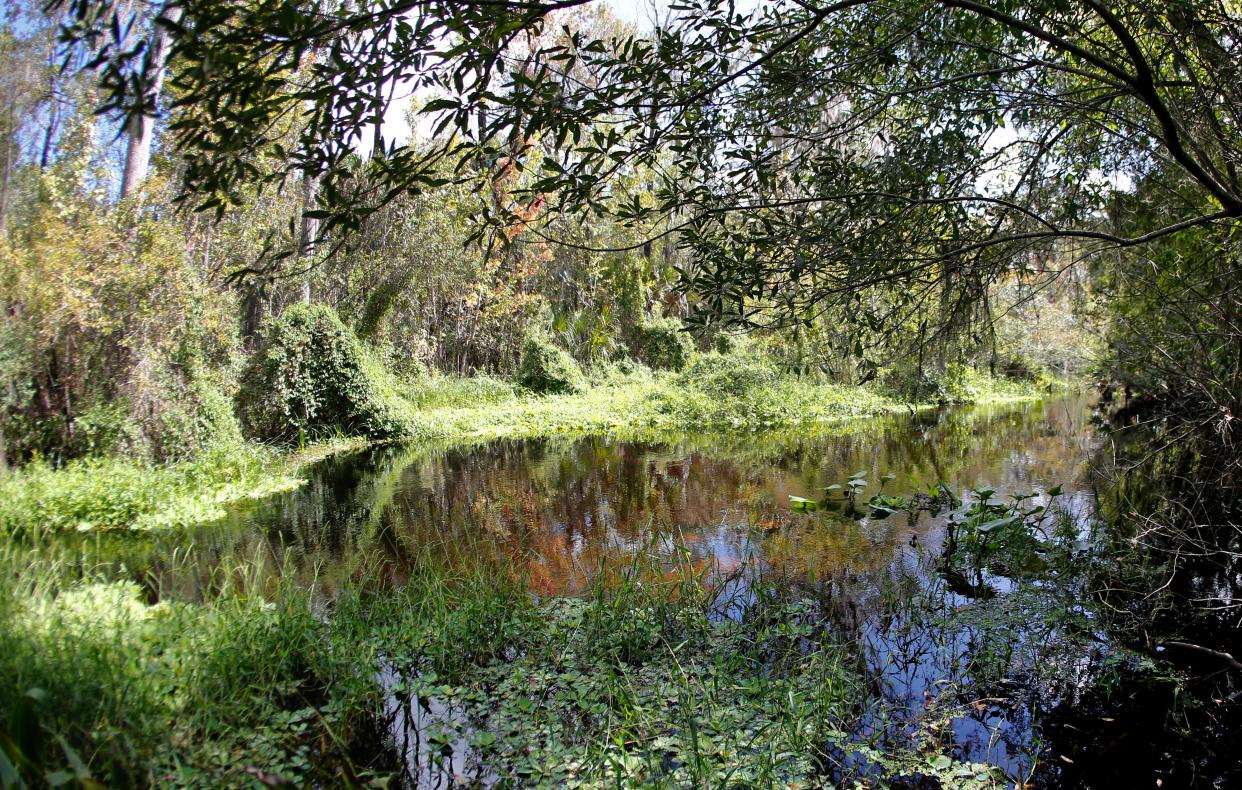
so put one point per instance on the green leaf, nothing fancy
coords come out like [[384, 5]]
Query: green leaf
[[996, 524], [800, 503]]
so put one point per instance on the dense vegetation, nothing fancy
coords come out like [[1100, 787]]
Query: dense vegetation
[[220, 261]]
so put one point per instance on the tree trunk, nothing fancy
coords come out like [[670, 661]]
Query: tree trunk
[[309, 232], [6, 175], [53, 112], [140, 129], [253, 298]]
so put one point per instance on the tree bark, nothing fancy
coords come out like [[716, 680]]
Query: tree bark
[[6, 174], [309, 231], [140, 129]]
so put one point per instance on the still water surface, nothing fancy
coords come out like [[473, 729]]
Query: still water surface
[[563, 509]]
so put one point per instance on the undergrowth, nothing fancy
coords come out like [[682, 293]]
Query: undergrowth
[[102, 689], [117, 493], [714, 393]]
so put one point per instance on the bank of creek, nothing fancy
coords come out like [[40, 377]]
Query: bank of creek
[[976, 663]]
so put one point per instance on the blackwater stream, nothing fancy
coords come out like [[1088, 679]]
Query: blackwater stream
[[1007, 682]]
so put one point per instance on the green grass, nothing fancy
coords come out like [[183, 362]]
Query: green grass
[[724, 395], [116, 493], [98, 686], [715, 394]]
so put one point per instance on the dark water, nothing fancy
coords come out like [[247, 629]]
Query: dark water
[[565, 509], [1030, 677]]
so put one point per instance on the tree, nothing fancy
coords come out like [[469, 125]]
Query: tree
[[805, 152], [148, 82]]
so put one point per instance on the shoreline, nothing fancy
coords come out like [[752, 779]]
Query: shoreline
[[127, 495]]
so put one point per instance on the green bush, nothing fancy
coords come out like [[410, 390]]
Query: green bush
[[311, 377], [662, 344], [546, 369], [195, 413], [906, 382], [957, 383], [729, 342], [103, 429], [719, 375]]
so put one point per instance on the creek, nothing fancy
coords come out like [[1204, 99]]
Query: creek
[[1013, 668]]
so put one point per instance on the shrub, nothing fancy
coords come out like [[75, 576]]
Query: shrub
[[729, 342], [906, 382], [193, 411], [451, 392], [548, 369], [311, 377], [662, 344], [726, 376], [103, 429], [107, 320], [957, 383]]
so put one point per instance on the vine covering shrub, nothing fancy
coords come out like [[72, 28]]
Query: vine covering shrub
[[546, 369], [311, 377], [662, 344], [723, 375]]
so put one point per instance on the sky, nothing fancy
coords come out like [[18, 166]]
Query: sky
[[640, 13], [396, 117]]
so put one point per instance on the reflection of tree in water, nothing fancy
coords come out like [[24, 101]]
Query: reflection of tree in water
[[566, 507], [563, 509], [1172, 500]]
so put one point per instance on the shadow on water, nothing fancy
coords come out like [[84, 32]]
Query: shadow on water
[[1012, 667]]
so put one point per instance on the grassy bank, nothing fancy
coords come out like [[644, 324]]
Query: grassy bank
[[117, 493], [714, 394], [102, 689]]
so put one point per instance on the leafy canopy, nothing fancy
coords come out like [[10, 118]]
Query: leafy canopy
[[804, 153]]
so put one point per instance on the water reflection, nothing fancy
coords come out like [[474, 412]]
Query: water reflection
[[565, 508]]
